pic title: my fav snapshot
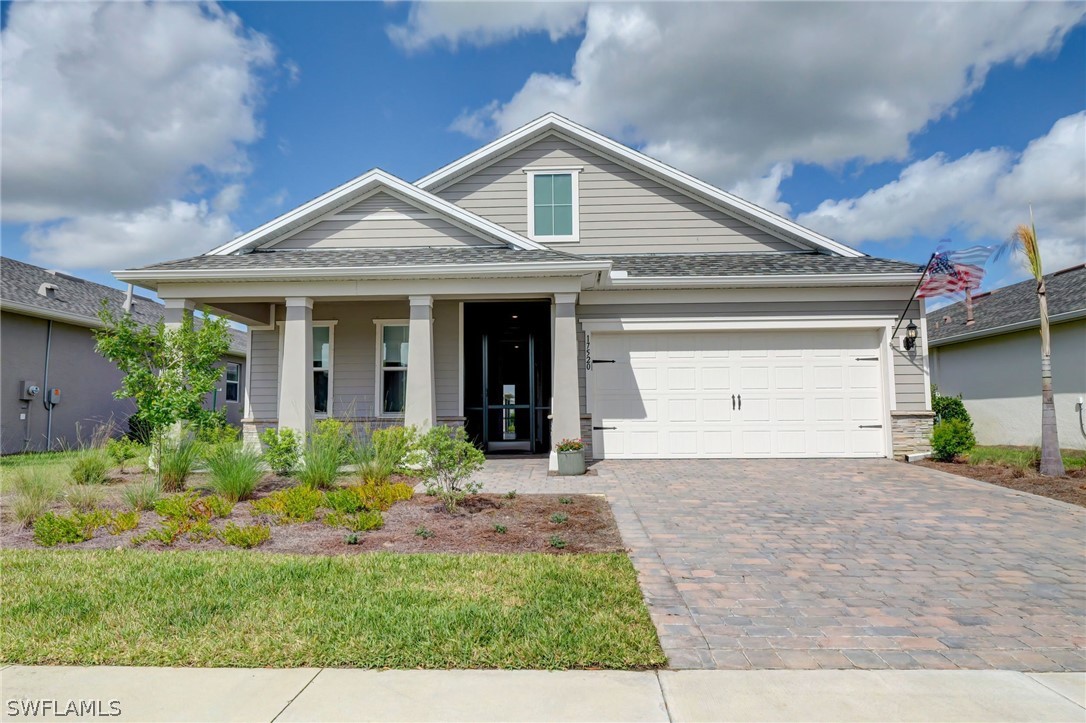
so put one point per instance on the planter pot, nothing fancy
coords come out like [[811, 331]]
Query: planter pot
[[571, 463]]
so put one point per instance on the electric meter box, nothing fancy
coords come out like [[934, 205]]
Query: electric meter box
[[30, 390]]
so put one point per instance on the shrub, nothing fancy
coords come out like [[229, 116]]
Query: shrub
[[323, 455], [189, 507], [280, 450], [424, 532], [565, 500], [951, 438], [35, 490], [351, 539], [83, 498], [91, 467], [569, 445], [510, 495], [121, 450], [141, 496], [382, 497], [123, 522], [346, 500], [559, 517], [556, 542], [52, 529], [501, 529], [200, 531], [358, 522], [234, 471], [219, 506], [167, 533], [947, 408], [383, 453], [296, 504], [248, 536], [217, 432], [448, 460], [177, 461]]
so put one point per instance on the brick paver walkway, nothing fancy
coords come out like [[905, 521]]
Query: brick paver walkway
[[841, 563]]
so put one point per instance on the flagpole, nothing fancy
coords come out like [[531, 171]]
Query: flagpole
[[909, 303]]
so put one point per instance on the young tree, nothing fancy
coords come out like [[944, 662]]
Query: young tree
[[1025, 237], [166, 371]]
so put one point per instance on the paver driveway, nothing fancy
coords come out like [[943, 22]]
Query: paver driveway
[[841, 563]]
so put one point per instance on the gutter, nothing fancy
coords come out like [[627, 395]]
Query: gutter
[[1006, 328], [504, 269], [782, 280]]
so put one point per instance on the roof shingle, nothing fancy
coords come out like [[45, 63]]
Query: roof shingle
[[765, 264]]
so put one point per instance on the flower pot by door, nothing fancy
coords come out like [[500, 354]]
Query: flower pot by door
[[571, 463]]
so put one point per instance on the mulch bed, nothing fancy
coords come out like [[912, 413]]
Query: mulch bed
[[1069, 488], [590, 528]]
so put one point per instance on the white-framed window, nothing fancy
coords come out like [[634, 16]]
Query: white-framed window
[[233, 382], [323, 348], [392, 345], [553, 204]]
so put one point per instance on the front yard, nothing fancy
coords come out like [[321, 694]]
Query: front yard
[[1016, 468], [230, 609]]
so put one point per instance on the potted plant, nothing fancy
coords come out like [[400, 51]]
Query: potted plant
[[570, 457]]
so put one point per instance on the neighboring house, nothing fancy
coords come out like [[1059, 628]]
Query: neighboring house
[[995, 362], [557, 284], [46, 318]]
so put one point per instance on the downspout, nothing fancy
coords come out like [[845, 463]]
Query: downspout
[[45, 389]]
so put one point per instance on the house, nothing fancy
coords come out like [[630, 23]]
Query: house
[[46, 322], [994, 363], [558, 284]]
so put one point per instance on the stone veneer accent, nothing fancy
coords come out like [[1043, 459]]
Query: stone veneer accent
[[251, 429], [911, 432], [586, 435]]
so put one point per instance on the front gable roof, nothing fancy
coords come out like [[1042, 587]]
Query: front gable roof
[[357, 188], [554, 124]]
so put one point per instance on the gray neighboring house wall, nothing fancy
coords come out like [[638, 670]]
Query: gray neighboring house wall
[[50, 315], [994, 363]]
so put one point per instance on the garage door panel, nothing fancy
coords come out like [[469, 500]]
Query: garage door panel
[[804, 394]]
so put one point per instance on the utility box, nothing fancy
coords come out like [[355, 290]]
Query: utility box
[[29, 391], [54, 397]]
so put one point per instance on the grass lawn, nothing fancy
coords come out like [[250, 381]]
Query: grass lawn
[[1023, 457], [57, 463], [382, 610]]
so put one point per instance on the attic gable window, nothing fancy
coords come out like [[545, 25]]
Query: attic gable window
[[553, 204]]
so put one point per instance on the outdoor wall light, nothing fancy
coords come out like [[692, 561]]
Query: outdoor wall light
[[910, 336]]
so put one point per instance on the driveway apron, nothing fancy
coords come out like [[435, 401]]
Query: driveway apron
[[870, 564]]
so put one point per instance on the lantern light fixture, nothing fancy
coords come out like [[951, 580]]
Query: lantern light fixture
[[910, 336]]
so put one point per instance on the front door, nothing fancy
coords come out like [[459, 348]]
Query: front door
[[507, 389]]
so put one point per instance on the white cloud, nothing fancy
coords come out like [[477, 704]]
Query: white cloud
[[127, 239], [474, 23], [113, 109], [729, 90], [984, 194]]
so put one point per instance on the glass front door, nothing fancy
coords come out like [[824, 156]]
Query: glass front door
[[510, 392]]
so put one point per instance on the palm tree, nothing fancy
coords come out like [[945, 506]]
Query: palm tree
[[1025, 238]]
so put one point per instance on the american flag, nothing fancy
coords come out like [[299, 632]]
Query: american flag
[[954, 272]]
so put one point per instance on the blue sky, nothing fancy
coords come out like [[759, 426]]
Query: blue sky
[[877, 125]]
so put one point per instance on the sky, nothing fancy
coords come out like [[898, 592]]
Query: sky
[[138, 132]]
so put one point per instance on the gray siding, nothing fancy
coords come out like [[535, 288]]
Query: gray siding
[[263, 374], [621, 211], [908, 366], [354, 358], [380, 231]]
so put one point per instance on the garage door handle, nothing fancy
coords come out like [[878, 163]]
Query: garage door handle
[[867, 358], [605, 428], [870, 426], [740, 402], [603, 361], [733, 402]]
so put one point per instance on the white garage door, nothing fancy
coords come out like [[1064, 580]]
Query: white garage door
[[737, 394]]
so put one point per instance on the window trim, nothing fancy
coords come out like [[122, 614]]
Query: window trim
[[331, 324], [379, 367], [227, 383], [574, 173]]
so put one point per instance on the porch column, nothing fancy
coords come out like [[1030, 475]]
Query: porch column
[[566, 401], [296, 373], [420, 405], [176, 311]]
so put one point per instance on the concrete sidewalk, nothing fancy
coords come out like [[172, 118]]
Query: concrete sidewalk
[[232, 694]]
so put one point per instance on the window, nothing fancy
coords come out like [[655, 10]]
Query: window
[[392, 345], [322, 368], [552, 205], [233, 381]]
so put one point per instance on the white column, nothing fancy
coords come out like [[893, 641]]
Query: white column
[[176, 310], [296, 372], [566, 396], [420, 407]]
